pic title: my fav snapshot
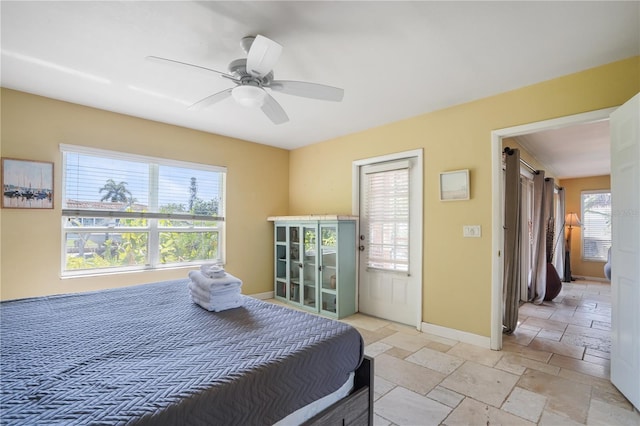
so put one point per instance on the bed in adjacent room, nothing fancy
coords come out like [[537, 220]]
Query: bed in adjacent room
[[148, 355]]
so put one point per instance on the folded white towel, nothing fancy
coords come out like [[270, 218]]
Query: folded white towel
[[215, 305], [210, 265], [215, 301], [205, 294], [211, 270], [213, 283]]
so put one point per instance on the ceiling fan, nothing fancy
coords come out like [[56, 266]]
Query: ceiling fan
[[253, 74]]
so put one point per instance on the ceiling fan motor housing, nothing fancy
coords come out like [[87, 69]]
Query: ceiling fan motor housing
[[238, 68]]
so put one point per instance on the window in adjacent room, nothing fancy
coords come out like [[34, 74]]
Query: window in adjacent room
[[126, 212], [596, 224]]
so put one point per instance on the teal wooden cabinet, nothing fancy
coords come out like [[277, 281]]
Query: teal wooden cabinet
[[315, 263]]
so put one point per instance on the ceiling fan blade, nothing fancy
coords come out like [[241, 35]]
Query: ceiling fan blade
[[174, 62], [273, 110], [210, 100], [308, 90], [263, 55]]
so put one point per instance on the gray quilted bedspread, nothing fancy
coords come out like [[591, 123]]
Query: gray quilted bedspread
[[147, 355]]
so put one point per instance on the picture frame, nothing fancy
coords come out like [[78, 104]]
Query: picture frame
[[454, 185], [27, 184]]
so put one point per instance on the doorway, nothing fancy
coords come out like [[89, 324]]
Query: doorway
[[613, 324], [387, 198], [498, 209]]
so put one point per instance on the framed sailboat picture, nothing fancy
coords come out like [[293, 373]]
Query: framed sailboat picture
[[27, 184]]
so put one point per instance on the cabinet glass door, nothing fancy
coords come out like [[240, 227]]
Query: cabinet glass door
[[329, 272], [295, 263], [310, 266], [281, 261]]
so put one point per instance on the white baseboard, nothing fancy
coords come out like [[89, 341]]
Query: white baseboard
[[461, 336], [263, 296]]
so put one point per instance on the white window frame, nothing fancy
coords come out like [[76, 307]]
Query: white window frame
[[584, 225], [152, 229]]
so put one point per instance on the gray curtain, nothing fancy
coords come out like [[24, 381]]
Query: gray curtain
[[558, 255], [541, 255], [511, 277], [539, 259]]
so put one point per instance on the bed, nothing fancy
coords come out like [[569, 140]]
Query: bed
[[147, 355]]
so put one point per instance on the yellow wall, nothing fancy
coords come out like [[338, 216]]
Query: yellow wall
[[456, 271], [573, 188], [33, 127]]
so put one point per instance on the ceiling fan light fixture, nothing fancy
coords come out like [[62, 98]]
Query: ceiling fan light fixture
[[249, 96]]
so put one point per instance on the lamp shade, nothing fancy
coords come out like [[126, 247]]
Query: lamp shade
[[249, 96], [571, 220]]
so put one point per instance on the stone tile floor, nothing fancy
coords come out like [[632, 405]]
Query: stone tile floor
[[554, 370]]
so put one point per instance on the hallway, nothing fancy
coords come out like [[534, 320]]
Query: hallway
[[574, 328]]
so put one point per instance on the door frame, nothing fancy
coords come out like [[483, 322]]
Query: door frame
[[355, 209], [497, 214]]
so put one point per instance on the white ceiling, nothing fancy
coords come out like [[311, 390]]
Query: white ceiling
[[395, 60], [572, 152]]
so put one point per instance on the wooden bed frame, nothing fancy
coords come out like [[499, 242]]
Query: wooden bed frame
[[357, 408]]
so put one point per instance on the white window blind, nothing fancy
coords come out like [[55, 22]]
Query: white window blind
[[130, 185], [386, 207], [596, 224], [123, 211]]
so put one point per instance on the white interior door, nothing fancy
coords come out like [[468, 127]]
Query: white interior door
[[625, 249], [390, 265]]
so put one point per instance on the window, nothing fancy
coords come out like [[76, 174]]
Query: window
[[596, 225], [125, 212], [386, 208]]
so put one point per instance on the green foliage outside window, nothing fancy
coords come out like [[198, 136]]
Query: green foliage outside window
[[116, 250], [188, 246], [130, 248], [121, 249]]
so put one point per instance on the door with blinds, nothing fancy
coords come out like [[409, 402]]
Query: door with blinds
[[390, 270]]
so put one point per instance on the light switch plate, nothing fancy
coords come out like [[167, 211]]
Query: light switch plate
[[471, 231]]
